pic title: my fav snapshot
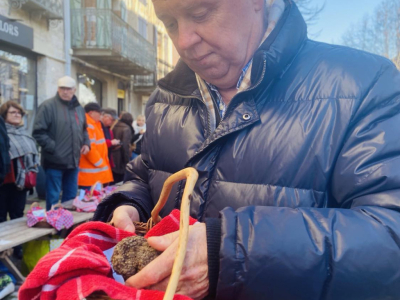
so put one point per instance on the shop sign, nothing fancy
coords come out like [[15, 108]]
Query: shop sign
[[121, 94], [16, 33]]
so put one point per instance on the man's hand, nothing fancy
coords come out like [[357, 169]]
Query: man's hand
[[193, 281], [124, 216], [85, 149], [115, 142]]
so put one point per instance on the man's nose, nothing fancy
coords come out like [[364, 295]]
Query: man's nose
[[187, 36]]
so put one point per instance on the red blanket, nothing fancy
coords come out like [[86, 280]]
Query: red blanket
[[78, 267]]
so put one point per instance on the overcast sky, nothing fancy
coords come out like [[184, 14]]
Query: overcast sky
[[337, 17]]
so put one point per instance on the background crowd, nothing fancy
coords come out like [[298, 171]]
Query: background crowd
[[80, 146]]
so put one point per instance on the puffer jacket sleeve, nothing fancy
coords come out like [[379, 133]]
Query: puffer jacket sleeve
[[43, 121], [350, 251], [134, 192]]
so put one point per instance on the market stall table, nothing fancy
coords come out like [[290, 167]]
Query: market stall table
[[17, 232]]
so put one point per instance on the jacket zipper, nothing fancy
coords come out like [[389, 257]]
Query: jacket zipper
[[251, 88], [229, 107], [179, 190]]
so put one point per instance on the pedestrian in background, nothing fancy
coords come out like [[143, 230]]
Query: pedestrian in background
[[4, 148], [108, 117], [124, 132], [94, 166], [60, 130], [24, 158], [139, 126]]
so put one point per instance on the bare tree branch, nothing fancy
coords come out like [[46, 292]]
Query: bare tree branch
[[379, 32], [309, 10]]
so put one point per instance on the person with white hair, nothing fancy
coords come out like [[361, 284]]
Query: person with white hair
[[60, 130], [139, 126]]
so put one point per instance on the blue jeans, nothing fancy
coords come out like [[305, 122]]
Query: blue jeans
[[57, 179]]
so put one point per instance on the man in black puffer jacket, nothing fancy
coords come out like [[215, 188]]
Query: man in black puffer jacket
[[298, 158]]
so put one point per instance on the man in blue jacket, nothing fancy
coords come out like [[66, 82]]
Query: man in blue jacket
[[297, 148]]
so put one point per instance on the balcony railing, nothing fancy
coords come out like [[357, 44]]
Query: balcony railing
[[51, 9], [143, 83], [105, 34]]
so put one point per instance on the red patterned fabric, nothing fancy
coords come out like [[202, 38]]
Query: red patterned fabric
[[88, 202], [79, 267], [59, 218], [85, 206], [35, 215]]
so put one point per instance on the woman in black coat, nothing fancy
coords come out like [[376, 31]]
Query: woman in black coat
[[24, 159], [124, 132]]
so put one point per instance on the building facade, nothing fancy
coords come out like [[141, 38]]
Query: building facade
[[29, 67], [118, 51]]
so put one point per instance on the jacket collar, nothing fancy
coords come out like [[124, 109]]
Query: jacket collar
[[73, 103], [182, 80], [278, 50]]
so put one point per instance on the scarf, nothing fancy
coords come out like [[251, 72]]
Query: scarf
[[24, 146], [137, 129]]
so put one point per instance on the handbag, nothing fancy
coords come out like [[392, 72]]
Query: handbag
[[30, 177], [10, 176]]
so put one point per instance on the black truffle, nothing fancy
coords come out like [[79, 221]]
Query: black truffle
[[131, 255]]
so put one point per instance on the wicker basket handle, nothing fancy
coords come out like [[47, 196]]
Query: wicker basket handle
[[94, 187], [34, 204], [191, 175], [58, 205]]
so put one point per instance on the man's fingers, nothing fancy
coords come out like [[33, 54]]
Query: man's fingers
[[199, 290], [123, 218], [129, 228], [155, 271], [124, 224], [84, 150], [161, 243]]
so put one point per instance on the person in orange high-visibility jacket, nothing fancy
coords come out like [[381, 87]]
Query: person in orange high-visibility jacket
[[94, 166]]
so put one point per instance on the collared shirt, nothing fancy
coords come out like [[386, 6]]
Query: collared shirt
[[274, 9], [218, 98]]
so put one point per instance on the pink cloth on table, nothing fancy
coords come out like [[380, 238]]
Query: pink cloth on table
[[59, 218], [33, 219]]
